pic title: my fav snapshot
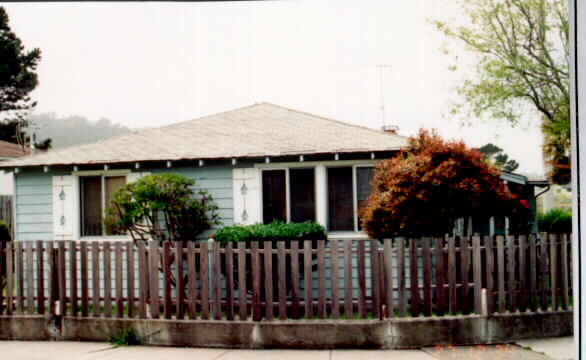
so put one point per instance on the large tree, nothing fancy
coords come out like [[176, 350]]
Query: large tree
[[18, 78], [496, 156], [524, 60], [424, 190]]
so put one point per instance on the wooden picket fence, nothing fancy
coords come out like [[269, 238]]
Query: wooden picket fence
[[346, 279]]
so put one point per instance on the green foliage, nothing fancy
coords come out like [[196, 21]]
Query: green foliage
[[5, 234], [17, 79], [498, 158], [273, 231], [523, 51], [556, 221], [126, 337], [162, 207], [424, 190]]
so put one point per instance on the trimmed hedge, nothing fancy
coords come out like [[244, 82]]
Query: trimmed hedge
[[271, 232], [555, 221]]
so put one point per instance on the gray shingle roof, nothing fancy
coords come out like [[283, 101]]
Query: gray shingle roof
[[253, 131]]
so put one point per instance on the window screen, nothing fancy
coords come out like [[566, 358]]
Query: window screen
[[302, 183], [91, 205], [340, 199], [274, 196]]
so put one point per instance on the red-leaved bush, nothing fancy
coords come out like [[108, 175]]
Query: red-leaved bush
[[425, 189]]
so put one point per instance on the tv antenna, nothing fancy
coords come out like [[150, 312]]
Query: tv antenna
[[382, 67]]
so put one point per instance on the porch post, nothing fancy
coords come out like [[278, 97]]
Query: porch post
[[321, 197]]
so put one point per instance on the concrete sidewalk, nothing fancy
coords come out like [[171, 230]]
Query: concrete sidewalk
[[29, 350]]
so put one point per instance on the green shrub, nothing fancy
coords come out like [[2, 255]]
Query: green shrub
[[271, 232], [556, 221], [126, 337], [5, 234]]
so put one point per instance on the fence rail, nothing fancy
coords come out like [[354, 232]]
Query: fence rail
[[293, 280]]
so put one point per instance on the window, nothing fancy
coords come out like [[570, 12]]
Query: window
[[96, 194], [288, 195], [348, 191]]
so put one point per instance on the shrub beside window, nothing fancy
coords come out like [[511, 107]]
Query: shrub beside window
[[555, 221]]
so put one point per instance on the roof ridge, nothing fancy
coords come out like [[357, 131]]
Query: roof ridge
[[331, 120]]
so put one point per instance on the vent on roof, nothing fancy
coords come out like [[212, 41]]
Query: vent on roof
[[392, 129]]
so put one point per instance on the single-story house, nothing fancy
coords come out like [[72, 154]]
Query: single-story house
[[260, 163]]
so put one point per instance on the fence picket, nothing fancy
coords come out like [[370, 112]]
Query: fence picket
[[30, 280], [401, 277], [440, 274], [452, 274], [229, 251], [307, 277], [321, 265], [375, 279], [335, 299], [73, 277], [522, 273], [179, 280], [84, 279], [167, 303], [20, 278], [192, 279], [95, 275], [242, 294], [107, 280], [501, 273], [427, 302], [477, 273], [489, 256], [10, 278], [282, 280], [361, 280], [256, 310], [143, 279], [216, 278], [119, 280], [61, 276], [295, 280], [533, 273], [512, 291], [414, 277], [3, 256], [203, 279], [268, 274], [41, 279], [565, 272], [154, 258], [544, 272], [130, 278], [553, 241], [348, 296], [464, 274]]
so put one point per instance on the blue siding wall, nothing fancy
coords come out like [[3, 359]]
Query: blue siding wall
[[34, 206], [217, 180]]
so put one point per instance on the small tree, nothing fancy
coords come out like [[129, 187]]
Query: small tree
[[162, 207], [496, 156], [424, 190]]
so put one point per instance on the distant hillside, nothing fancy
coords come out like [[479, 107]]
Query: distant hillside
[[73, 130]]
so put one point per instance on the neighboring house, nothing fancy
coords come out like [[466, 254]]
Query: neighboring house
[[528, 189], [9, 151], [260, 163]]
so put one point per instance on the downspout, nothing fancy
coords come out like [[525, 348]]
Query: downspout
[[536, 196]]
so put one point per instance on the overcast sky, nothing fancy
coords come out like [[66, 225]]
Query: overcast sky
[[152, 64]]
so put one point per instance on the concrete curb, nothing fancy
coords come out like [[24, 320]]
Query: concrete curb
[[399, 333]]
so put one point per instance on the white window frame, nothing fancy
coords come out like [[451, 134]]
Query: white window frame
[[287, 188], [321, 196], [103, 174], [354, 196]]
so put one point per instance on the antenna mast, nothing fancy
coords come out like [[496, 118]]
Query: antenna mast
[[381, 67]]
